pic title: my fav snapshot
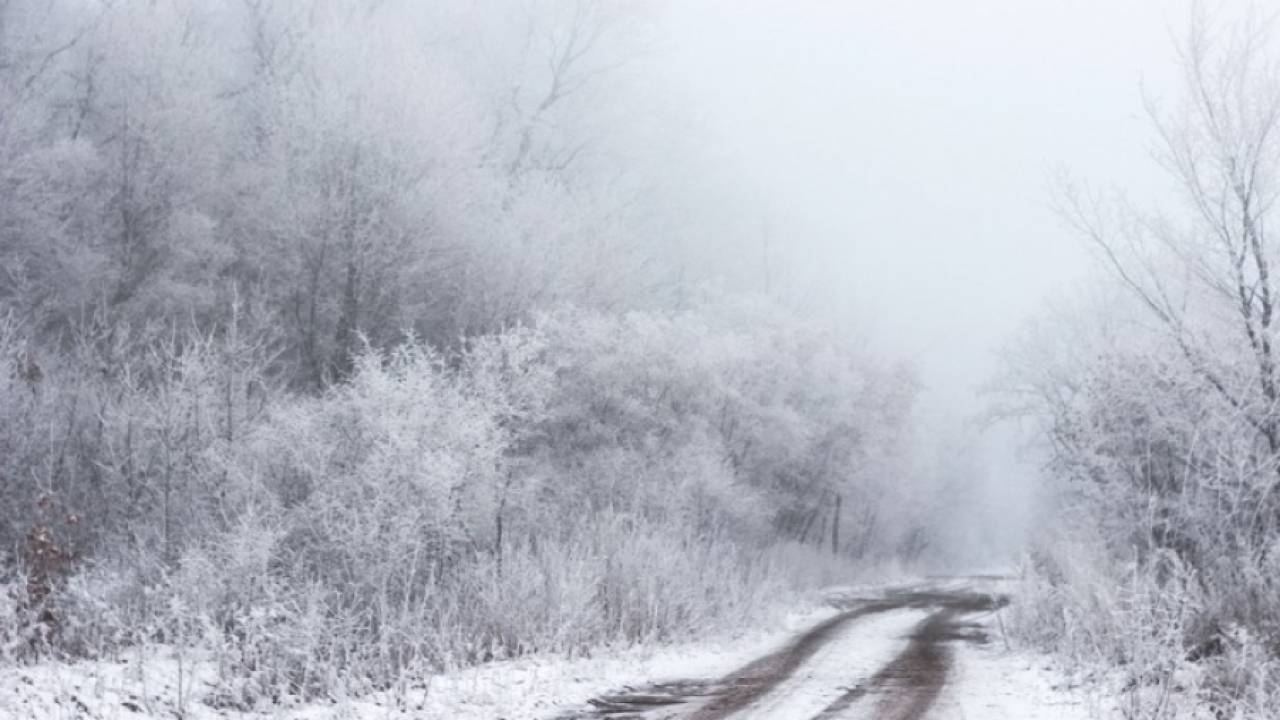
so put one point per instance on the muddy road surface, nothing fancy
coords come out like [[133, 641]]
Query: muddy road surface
[[882, 657]]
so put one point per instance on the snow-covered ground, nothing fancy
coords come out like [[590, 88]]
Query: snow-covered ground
[[160, 683], [986, 681], [994, 683], [541, 687]]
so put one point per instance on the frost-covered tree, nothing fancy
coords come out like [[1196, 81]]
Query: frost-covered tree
[[1159, 400]]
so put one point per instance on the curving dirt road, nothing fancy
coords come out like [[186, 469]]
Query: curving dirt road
[[882, 658]]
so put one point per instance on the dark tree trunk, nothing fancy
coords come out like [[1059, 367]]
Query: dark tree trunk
[[835, 526], [348, 325]]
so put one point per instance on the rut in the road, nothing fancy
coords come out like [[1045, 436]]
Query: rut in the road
[[753, 681], [907, 686]]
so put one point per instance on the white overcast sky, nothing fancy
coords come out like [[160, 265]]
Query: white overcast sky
[[906, 147]]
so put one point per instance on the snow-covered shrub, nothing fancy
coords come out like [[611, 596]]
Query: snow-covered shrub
[[1096, 611], [16, 627], [1158, 399], [113, 452], [356, 516], [779, 414], [588, 480], [616, 579], [1158, 562]]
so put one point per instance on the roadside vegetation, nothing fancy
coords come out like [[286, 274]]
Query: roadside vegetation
[[585, 479], [343, 342], [1157, 400]]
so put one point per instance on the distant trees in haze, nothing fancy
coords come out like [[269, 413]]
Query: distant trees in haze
[[343, 168]]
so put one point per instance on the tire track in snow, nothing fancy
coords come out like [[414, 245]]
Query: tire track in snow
[[895, 648], [910, 684], [855, 653]]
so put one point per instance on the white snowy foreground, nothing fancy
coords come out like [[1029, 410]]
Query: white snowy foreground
[[157, 683], [852, 674]]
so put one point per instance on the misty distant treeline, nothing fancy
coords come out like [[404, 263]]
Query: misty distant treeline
[[337, 170], [351, 340], [1157, 398]]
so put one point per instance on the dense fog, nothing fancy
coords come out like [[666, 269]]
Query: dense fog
[[356, 341]]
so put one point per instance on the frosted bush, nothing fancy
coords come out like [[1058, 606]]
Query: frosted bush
[[589, 480]]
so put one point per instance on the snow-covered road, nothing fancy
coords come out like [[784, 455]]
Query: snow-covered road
[[927, 651], [858, 651]]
